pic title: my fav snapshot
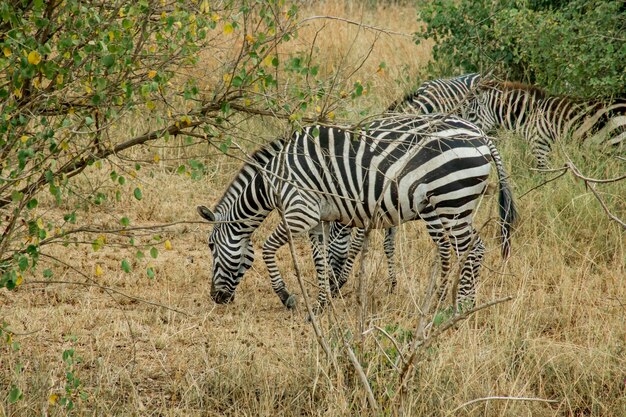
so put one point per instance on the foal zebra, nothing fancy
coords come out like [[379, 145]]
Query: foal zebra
[[434, 96], [542, 119], [393, 170]]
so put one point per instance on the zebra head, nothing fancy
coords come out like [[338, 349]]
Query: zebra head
[[232, 255]]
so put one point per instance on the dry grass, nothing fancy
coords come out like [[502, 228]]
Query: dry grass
[[562, 337]]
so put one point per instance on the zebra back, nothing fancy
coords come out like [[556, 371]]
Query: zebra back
[[438, 96], [543, 119]]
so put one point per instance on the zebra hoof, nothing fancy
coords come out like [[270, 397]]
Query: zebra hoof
[[290, 302], [317, 310]]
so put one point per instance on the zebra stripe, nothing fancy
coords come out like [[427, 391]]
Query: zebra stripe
[[445, 95], [433, 96], [542, 120], [396, 169]]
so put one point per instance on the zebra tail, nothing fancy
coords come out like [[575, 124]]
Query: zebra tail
[[506, 209]]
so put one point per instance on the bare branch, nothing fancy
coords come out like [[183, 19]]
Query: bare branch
[[477, 400], [590, 183], [359, 24]]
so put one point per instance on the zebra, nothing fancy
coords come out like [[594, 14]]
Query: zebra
[[389, 171], [434, 96], [445, 95], [543, 119]]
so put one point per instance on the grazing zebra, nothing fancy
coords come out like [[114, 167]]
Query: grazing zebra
[[446, 95], [393, 170], [542, 119], [433, 96]]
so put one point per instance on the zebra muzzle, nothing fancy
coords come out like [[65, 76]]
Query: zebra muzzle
[[221, 297]]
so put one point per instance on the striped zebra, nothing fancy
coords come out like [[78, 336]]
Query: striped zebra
[[433, 96], [394, 169], [543, 119], [446, 95]]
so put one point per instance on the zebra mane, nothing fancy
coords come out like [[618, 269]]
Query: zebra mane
[[517, 85], [248, 171]]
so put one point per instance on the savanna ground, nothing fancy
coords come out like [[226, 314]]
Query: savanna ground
[[161, 347]]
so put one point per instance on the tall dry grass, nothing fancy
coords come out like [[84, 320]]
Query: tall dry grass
[[561, 338]]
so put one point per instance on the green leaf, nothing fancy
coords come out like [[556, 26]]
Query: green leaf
[[15, 395], [138, 194], [124, 221], [150, 273], [23, 263], [140, 255], [47, 273], [126, 266], [154, 252], [237, 81]]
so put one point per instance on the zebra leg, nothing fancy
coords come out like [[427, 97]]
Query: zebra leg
[[438, 234], [462, 236], [469, 274], [540, 148], [389, 246], [277, 239], [356, 244], [338, 246], [316, 236]]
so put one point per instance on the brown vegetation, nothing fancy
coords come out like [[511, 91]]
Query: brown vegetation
[[561, 338]]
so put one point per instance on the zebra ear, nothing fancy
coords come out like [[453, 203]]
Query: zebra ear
[[206, 213]]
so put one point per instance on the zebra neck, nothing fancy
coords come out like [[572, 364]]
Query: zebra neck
[[246, 201]]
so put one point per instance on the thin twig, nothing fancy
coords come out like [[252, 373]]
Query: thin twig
[[590, 183], [359, 24], [563, 172], [362, 376], [441, 329], [477, 400]]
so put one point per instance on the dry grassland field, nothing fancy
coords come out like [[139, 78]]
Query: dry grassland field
[[162, 347]]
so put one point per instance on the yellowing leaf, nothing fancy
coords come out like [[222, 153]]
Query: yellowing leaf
[[204, 7], [318, 109], [267, 61], [99, 271], [37, 83], [17, 93], [156, 158], [24, 139], [247, 102], [150, 105], [250, 38], [59, 78], [19, 280], [6, 51], [186, 120], [152, 74], [40, 223], [215, 17], [64, 146], [34, 58], [168, 245], [227, 78], [331, 115], [111, 36], [52, 399], [228, 29]]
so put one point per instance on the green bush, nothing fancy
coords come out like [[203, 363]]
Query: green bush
[[568, 47]]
